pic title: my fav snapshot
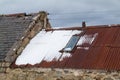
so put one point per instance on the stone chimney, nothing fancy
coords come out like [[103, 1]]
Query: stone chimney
[[44, 20]]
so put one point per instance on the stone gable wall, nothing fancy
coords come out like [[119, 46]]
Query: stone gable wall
[[39, 22]]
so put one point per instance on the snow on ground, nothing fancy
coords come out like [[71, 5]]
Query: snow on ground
[[45, 45]]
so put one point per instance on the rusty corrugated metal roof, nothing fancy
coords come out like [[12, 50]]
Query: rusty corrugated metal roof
[[102, 53]]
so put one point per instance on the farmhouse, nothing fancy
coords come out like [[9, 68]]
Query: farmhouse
[[29, 43]]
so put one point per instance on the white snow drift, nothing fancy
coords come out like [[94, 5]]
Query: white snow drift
[[45, 45]]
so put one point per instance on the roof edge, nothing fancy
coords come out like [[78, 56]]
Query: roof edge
[[87, 27], [39, 22]]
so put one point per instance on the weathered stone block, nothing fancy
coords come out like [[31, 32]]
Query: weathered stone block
[[32, 34], [2, 76], [20, 50], [39, 78], [2, 70], [108, 78], [7, 64], [25, 42], [3, 64], [37, 27]]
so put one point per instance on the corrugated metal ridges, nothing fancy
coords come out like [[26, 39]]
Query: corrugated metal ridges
[[112, 60], [103, 53]]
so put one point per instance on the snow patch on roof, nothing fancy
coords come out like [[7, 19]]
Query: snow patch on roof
[[67, 49], [65, 55], [87, 39], [45, 46]]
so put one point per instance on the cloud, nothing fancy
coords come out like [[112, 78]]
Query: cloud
[[68, 12]]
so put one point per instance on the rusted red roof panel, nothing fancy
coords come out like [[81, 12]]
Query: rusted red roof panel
[[102, 53]]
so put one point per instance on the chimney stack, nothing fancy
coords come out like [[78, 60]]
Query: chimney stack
[[83, 24]]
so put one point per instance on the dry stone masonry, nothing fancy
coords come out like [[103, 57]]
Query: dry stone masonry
[[38, 22], [58, 74]]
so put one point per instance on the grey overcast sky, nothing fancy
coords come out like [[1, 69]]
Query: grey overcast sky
[[68, 12]]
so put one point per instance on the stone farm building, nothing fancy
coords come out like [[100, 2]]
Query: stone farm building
[[16, 30], [29, 41]]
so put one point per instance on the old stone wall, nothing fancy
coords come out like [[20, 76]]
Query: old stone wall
[[57, 74], [39, 22], [4, 66]]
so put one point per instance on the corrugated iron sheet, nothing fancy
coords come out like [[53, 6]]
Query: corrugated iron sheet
[[103, 53]]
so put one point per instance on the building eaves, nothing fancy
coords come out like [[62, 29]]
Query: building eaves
[[101, 52]]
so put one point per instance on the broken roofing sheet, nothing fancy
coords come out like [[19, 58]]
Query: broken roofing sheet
[[91, 48]]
